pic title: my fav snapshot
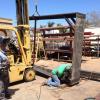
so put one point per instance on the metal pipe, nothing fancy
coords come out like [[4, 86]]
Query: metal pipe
[[35, 25]]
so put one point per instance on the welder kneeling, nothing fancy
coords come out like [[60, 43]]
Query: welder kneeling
[[58, 74]]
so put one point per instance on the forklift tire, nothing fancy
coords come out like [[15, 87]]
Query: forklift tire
[[29, 75]]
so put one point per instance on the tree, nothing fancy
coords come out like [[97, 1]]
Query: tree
[[93, 19], [42, 26], [63, 30], [50, 24]]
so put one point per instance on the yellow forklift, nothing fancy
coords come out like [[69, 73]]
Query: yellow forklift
[[20, 50]]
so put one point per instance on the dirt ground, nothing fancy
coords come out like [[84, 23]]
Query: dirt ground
[[34, 91], [91, 64], [31, 91]]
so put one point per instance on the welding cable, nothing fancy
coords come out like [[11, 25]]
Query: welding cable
[[40, 91]]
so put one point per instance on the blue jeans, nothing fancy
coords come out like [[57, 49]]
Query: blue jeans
[[53, 81]]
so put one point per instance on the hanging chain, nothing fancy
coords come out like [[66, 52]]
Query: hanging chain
[[36, 8]]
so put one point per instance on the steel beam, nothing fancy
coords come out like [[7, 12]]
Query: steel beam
[[77, 50], [57, 16], [83, 73]]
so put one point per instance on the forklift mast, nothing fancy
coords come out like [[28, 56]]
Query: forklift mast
[[24, 29], [22, 12]]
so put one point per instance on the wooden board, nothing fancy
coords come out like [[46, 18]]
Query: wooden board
[[6, 21]]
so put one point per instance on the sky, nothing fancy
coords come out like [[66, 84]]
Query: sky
[[8, 8]]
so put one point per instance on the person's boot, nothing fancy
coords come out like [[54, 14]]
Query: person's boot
[[8, 96], [2, 96]]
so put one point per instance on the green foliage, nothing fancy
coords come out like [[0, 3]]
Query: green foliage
[[61, 30], [50, 24]]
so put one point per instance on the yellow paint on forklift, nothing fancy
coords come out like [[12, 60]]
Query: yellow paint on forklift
[[17, 69]]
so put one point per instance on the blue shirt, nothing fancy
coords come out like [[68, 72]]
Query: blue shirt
[[3, 57]]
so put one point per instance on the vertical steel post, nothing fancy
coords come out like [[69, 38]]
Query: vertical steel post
[[35, 25], [98, 46], [77, 50]]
